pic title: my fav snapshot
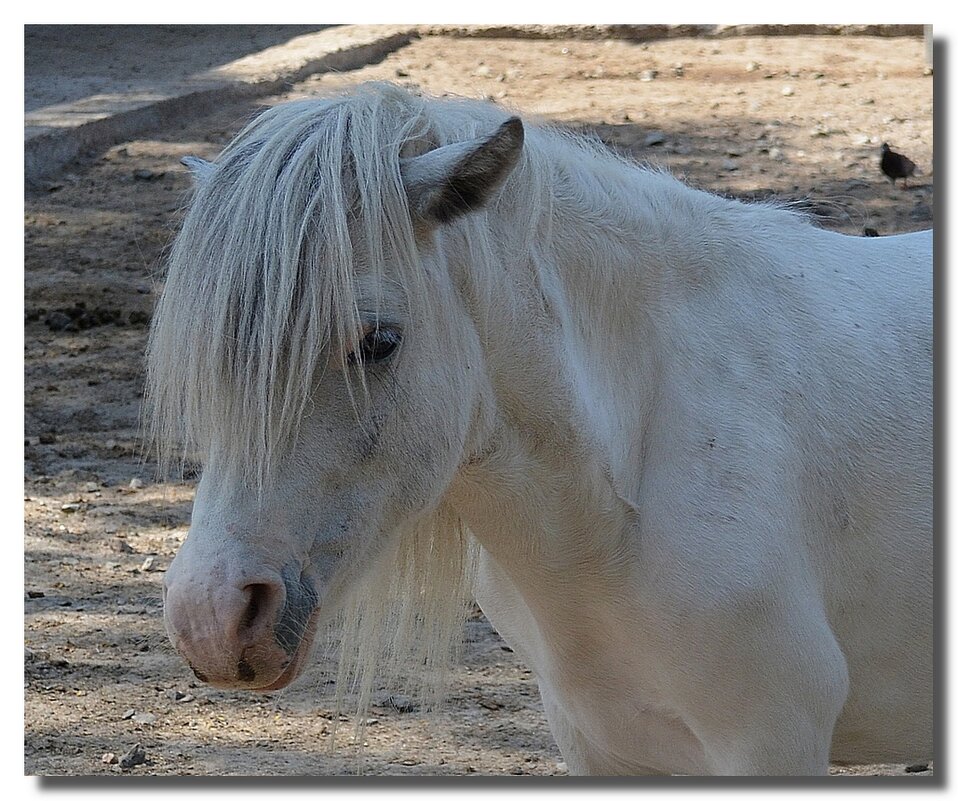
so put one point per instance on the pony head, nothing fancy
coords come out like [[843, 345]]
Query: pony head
[[314, 349]]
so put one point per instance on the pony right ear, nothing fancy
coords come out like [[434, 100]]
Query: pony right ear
[[455, 179], [199, 168]]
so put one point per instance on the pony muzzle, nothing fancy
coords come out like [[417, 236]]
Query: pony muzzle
[[237, 634]]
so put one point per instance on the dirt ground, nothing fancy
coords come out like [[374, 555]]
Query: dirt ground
[[795, 118]]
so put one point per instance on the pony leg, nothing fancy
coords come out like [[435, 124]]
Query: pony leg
[[773, 714], [581, 755]]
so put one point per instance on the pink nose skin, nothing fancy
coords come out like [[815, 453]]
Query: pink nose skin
[[226, 630]]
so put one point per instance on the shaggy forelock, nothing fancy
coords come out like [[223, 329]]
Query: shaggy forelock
[[261, 277]]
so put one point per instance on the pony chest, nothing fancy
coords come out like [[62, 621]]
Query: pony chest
[[597, 674]]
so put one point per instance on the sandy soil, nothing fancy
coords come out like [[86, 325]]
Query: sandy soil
[[795, 118]]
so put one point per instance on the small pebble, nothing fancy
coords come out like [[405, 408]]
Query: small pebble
[[788, 91], [128, 714], [109, 759], [147, 175], [918, 767], [135, 483], [402, 703], [148, 565], [135, 756], [653, 138], [58, 321], [147, 718]]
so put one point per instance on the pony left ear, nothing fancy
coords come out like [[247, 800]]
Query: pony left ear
[[453, 180], [200, 168]]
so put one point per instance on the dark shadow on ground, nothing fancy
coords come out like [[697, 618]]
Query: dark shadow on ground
[[67, 62]]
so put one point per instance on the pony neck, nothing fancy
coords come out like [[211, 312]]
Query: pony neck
[[576, 389]]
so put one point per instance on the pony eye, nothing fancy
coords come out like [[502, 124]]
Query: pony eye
[[376, 346]]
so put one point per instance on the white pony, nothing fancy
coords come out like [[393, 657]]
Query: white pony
[[691, 437]]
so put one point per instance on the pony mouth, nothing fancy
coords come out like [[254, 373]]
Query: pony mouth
[[297, 662]]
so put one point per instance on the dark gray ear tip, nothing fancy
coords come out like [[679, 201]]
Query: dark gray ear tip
[[514, 128]]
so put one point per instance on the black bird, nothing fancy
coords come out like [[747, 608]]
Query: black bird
[[895, 165]]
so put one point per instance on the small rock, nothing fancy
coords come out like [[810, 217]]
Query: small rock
[[36, 594], [135, 756], [729, 166], [776, 154], [91, 486], [146, 718], [788, 91], [135, 483], [648, 75], [653, 138], [401, 73], [752, 66], [58, 321], [918, 767], [147, 175], [483, 71], [70, 508], [109, 759], [128, 714], [402, 703], [148, 565]]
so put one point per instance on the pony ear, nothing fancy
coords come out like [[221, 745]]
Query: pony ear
[[200, 168], [453, 180]]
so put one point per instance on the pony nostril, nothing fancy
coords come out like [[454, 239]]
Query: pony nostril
[[257, 605]]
